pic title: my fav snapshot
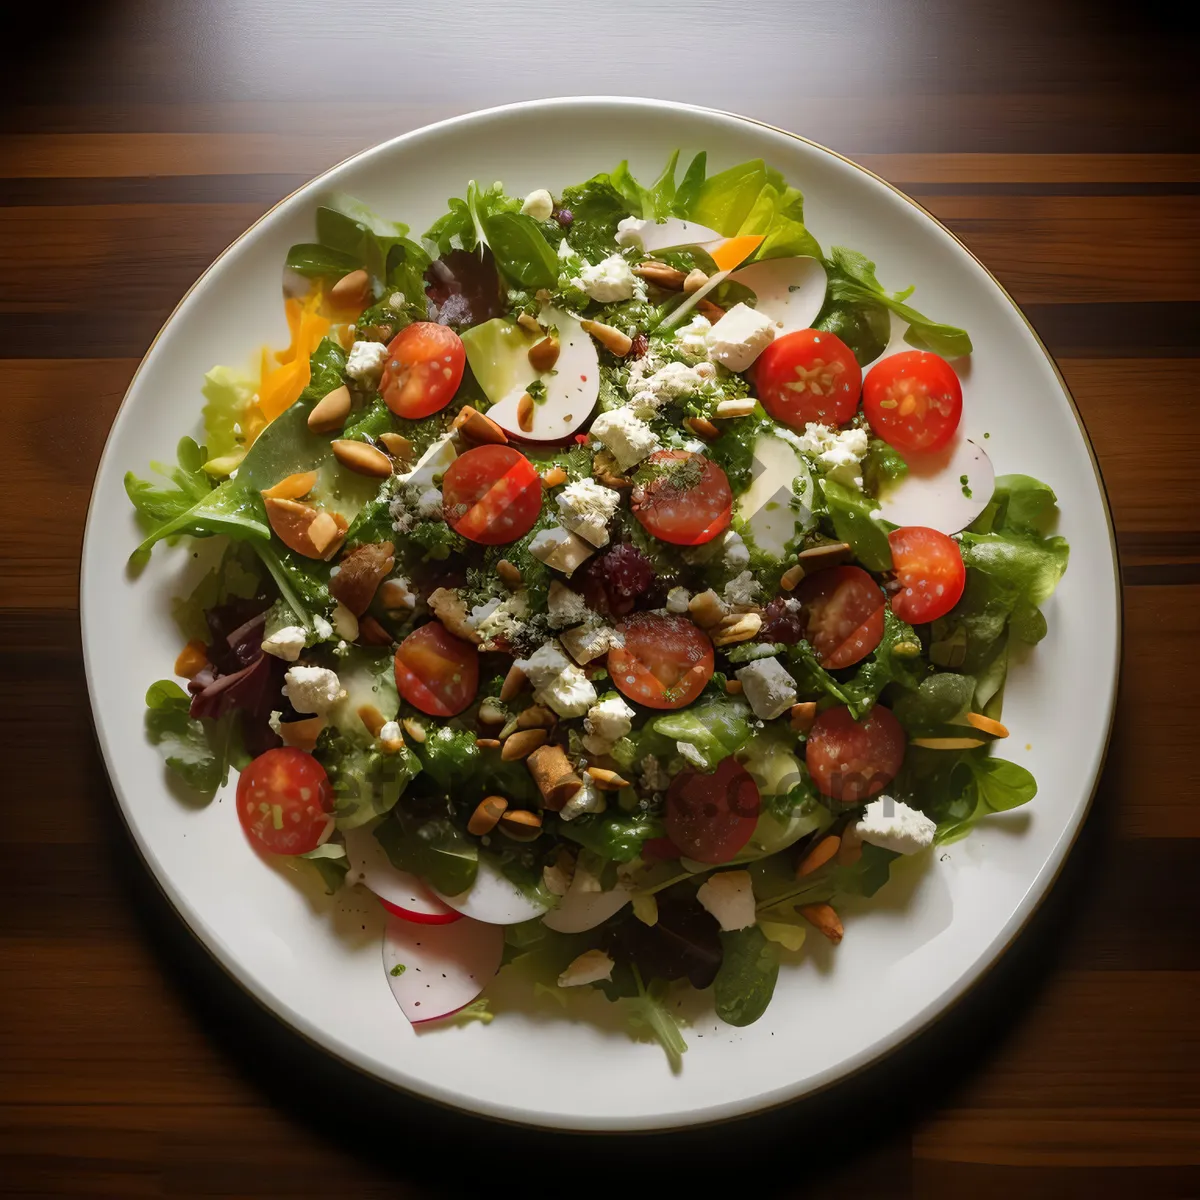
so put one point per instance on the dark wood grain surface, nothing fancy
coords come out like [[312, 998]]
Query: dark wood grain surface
[[1059, 140]]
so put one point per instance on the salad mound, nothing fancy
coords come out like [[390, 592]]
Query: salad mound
[[600, 583]]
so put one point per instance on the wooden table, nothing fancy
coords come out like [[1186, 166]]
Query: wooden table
[[1058, 140]]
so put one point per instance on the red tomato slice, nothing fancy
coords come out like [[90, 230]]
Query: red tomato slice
[[284, 799], [688, 501], [930, 571], [913, 400], [843, 612], [492, 495], [712, 817], [665, 662], [808, 376], [437, 672], [851, 760], [424, 367]]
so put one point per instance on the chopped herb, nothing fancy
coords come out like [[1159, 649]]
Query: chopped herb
[[398, 969], [537, 391], [965, 480]]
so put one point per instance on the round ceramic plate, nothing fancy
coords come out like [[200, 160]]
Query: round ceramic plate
[[907, 955]]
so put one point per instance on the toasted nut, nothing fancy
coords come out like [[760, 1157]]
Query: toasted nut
[[791, 578], [737, 627], [450, 608], [554, 477], [487, 815], [522, 743], [850, 851], [360, 573], [361, 458], [906, 649], [803, 715], [544, 354], [948, 743], [330, 412], [371, 633], [392, 745], [702, 427], [741, 407], [193, 658], [323, 533], [610, 338], [819, 855], [303, 734], [414, 729], [351, 291], [661, 275], [521, 825], [488, 743], [478, 428], [293, 487], [606, 471], [706, 308], [345, 623], [514, 683], [707, 609], [397, 445], [829, 554], [529, 323], [982, 723], [554, 775], [607, 781], [491, 712], [694, 280], [510, 575], [825, 919], [525, 413], [372, 718], [302, 528], [536, 716]]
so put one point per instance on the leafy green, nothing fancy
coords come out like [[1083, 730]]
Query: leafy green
[[614, 835], [198, 751], [866, 327], [851, 514], [329, 861], [435, 849], [745, 982], [883, 465], [313, 260], [649, 1017], [652, 203], [521, 250], [228, 395], [450, 757], [436, 540], [852, 280], [939, 700], [596, 208], [687, 194], [862, 878], [464, 225], [1019, 503], [236, 575], [716, 726], [366, 782]]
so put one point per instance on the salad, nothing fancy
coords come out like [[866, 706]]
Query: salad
[[597, 582]]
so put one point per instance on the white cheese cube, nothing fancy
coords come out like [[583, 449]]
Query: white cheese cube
[[609, 721], [560, 549], [365, 364], [570, 693], [589, 799], [678, 599], [590, 967], [739, 337], [629, 439], [285, 643], [565, 607], [769, 689], [629, 231], [312, 689], [587, 507], [893, 825], [729, 896], [587, 642], [741, 589], [431, 466], [692, 338]]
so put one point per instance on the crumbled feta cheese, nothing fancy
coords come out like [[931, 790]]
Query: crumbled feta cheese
[[560, 549], [605, 724], [654, 777], [430, 467], [692, 755], [286, 643], [275, 722], [670, 382], [739, 337], [565, 607], [692, 338], [629, 439], [629, 231], [429, 505], [588, 642], [565, 251], [769, 689], [312, 689], [345, 622], [729, 896], [557, 681], [892, 825], [839, 453], [678, 599], [608, 281], [544, 664], [389, 732], [741, 589], [365, 364], [539, 205], [590, 967], [500, 619], [396, 300], [587, 507], [322, 627], [734, 550], [589, 799]]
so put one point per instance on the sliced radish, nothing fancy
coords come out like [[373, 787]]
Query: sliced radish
[[435, 970], [933, 492], [494, 899], [399, 891], [767, 505], [653, 236], [789, 290], [581, 911]]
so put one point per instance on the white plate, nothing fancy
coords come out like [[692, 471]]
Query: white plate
[[910, 953]]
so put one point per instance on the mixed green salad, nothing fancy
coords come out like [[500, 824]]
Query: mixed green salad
[[599, 584]]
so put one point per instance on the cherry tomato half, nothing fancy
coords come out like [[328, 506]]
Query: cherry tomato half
[[424, 367], [688, 501], [492, 495], [913, 400], [808, 376], [437, 672], [712, 817], [930, 570], [851, 760], [284, 799], [843, 613], [665, 662]]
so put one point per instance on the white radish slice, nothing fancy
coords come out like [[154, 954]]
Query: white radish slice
[[581, 911], [667, 235], [433, 970], [766, 506], [677, 314], [933, 493], [494, 899], [789, 290], [399, 891]]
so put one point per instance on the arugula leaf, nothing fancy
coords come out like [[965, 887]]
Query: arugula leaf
[[196, 750], [851, 513], [521, 250], [745, 982], [649, 1017], [463, 227], [614, 835]]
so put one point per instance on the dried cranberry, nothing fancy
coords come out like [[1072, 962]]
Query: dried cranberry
[[463, 289], [615, 581], [564, 216], [641, 343], [783, 621]]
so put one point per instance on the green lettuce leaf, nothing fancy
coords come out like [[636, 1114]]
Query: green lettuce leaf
[[717, 726], [238, 574], [198, 751], [615, 836], [850, 512], [228, 395], [746, 979], [521, 250], [434, 849]]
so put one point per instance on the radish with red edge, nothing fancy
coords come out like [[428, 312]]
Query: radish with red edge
[[400, 892], [433, 970], [581, 911], [494, 899]]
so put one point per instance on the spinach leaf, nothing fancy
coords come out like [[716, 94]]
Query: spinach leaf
[[939, 700], [864, 326], [614, 835], [688, 192], [521, 250], [434, 849], [1019, 503], [366, 782], [746, 981], [196, 750], [883, 465], [851, 513], [315, 261]]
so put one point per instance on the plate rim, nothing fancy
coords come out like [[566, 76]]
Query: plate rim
[[851, 1067]]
